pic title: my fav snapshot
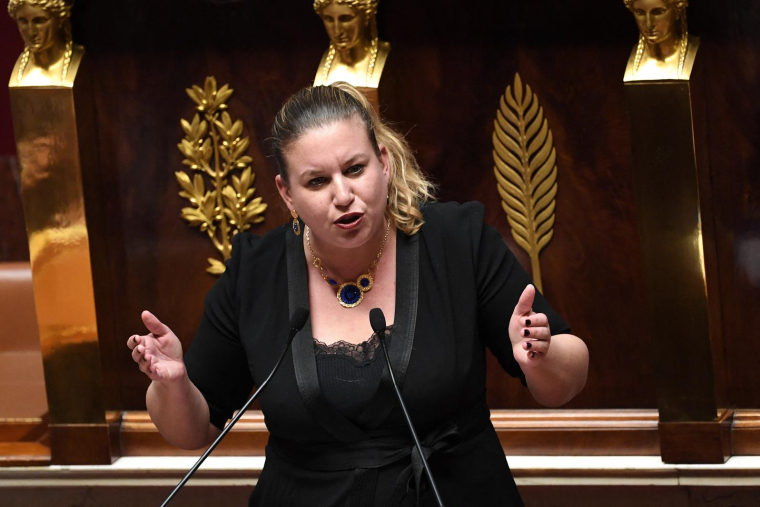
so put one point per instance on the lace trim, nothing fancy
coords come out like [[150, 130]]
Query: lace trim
[[361, 354]]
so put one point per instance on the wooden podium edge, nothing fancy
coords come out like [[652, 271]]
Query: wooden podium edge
[[521, 433]]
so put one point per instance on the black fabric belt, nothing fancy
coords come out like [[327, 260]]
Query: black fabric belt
[[384, 448]]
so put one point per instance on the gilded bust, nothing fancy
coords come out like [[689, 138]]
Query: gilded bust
[[50, 57], [665, 50], [355, 55]]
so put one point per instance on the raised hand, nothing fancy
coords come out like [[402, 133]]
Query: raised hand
[[159, 353], [529, 331]]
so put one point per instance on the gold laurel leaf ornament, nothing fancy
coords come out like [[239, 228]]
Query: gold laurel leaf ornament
[[526, 170], [213, 149]]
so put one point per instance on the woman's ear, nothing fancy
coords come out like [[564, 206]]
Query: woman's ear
[[385, 161], [284, 189]]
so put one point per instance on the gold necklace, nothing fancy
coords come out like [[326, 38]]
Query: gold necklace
[[66, 61], [370, 67], [350, 294]]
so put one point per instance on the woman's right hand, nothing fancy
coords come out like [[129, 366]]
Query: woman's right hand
[[159, 353]]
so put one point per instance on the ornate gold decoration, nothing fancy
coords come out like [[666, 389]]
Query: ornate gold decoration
[[355, 55], [227, 209], [50, 57], [665, 49], [526, 170]]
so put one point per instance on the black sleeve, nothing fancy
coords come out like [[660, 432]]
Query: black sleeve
[[216, 361], [500, 281]]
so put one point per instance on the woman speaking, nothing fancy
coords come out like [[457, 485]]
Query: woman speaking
[[364, 235]]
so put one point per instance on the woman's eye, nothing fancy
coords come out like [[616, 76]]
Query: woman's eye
[[315, 182], [355, 169], [658, 11], [345, 18]]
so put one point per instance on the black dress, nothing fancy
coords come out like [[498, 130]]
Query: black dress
[[457, 285]]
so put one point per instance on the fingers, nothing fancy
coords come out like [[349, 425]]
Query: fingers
[[525, 303], [536, 335], [154, 325], [133, 341], [138, 353], [536, 346], [138, 345], [145, 365], [534, 320]]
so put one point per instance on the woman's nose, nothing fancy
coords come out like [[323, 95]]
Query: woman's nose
[[343, 194]]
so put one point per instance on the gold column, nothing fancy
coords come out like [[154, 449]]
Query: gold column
[[52, 151], [677, 234], [673, 216], [47, 141]]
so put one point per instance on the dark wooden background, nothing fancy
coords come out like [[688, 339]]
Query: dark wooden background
[[449, 65]]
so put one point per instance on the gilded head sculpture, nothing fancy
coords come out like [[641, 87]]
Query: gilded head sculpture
[[664, 44], [356, 54], [348, 22], [42, 23], [659, 20]]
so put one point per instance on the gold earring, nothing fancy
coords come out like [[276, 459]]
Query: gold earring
[[296, 223]]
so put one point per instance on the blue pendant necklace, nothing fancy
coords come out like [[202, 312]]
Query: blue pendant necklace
[[350, 294]]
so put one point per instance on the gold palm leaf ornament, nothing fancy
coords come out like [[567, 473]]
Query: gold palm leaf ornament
[[526, 170], [213, 149]]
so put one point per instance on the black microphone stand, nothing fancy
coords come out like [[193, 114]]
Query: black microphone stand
[[296, 323], [377, 320]]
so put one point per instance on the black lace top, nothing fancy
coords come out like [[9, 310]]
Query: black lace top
[[349, 373]]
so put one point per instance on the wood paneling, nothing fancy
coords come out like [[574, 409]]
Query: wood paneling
[[10, 41], [577, 432], [733, 103], [523, 432], [460, 65], [745, 434], [24, 442], [23, 454], [139, 437], [447, 69], [13, 243], [697, 441]]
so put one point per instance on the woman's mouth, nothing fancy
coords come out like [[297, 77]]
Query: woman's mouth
[[349, 220]]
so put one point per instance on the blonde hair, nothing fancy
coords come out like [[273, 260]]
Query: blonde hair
[[317, 106]]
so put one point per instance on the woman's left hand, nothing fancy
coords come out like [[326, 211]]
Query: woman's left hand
[[529, 331]]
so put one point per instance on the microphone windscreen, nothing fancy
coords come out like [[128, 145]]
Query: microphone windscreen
[[299, 317], [377, 320]]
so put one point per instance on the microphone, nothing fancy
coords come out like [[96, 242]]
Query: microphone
[[377, 321], [297, 321]]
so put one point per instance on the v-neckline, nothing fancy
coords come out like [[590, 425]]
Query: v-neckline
[[400, 348]]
